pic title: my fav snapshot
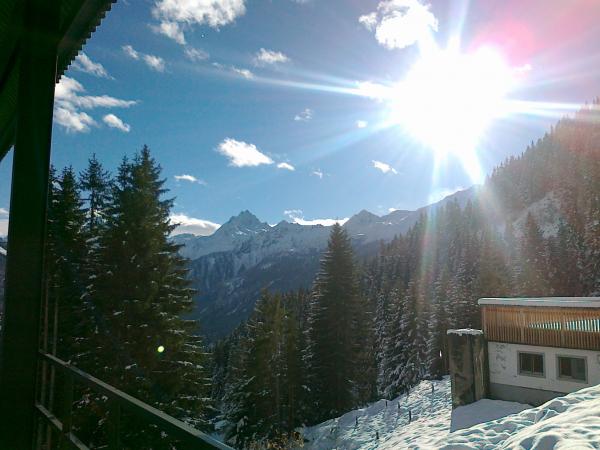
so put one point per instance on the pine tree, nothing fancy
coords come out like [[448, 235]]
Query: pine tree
[[533, 281], [65, 256], [331, 355], [149, 349], [96, 183]]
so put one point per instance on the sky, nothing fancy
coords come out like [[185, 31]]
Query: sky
[[291, 108]]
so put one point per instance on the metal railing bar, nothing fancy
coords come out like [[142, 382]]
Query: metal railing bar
[[175, 428], [71, 439]]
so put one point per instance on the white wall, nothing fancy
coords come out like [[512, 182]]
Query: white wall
[[504, 367]]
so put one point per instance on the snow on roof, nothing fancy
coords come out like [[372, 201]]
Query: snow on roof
[[464, 331], [2, 251], [562, 302]]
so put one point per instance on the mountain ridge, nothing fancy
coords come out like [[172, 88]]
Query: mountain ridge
[[229, 268]]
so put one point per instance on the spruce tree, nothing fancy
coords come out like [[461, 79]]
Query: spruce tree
[[331, 355], [65, 256], [149, 349]]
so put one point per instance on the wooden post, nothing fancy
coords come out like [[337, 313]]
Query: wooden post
[[26, 233], [114, 425]]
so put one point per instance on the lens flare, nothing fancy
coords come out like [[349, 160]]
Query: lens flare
[[448, 99]]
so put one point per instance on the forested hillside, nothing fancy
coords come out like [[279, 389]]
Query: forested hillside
[[533, 230], [116, 297], [367, 329]]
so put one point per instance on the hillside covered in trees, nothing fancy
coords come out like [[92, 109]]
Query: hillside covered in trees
[[376, 330], [118, 295]]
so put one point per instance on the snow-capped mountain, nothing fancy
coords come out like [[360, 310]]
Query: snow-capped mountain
[[230, 267]]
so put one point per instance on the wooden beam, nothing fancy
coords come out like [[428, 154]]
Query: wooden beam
[[26, 233]]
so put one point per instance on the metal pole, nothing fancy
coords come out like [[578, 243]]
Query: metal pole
[[26, 233]]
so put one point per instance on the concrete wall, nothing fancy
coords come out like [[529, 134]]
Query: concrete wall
[[507, 384], [468, 366]]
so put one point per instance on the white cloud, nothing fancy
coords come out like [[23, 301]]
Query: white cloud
[[369, 21], [242, 154], [155, 62], [245, 73], [68, 93], [296, 216], [69, 101], [190, 178], [131, 52], [286, 166], [361, 124], [195, 54], [3, 212], [73, 121], [84, 64], [152, 61], [269, 57], [400, 23], [385, 168], [114, 122], [170, 29], [372, 90], [317, 173], [304, 116], [187, 13], [199, 227], [391, 210]]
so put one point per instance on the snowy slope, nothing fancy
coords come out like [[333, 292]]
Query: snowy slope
[[569, 422], [431, 414], [546, 213]]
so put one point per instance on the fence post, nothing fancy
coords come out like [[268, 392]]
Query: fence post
[[114, 424], [67, 407]]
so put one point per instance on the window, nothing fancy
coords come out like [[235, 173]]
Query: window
[[572, 368], [531, 364]]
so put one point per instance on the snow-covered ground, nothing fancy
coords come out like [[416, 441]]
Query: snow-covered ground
[[386, 425], [569, 422]]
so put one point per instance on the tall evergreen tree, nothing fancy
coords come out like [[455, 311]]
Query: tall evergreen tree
[[149, 349], [95, 182], [331, 356], [65, 257]]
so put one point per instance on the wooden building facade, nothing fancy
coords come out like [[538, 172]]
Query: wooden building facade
[[541, 348]]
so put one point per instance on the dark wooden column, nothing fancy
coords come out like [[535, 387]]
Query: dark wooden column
[[24, 267]]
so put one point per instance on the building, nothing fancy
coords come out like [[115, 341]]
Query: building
[[541, 348]]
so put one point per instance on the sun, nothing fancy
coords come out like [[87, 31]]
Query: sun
[[448, 99]]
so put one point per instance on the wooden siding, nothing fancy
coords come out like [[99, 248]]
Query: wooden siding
[[545, 326]]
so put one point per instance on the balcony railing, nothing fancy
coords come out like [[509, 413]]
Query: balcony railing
[[564, 327], [117, 401]]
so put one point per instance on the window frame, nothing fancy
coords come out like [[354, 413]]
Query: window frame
[[571, 379], [531, 374]]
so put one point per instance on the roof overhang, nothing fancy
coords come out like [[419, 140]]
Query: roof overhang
[[550, 302], [78, 20]]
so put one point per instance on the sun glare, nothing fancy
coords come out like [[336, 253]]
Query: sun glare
[[449, 98]]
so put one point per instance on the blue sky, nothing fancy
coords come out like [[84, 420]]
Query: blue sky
[[232, 95]]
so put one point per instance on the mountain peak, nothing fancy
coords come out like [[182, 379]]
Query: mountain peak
[[245, 222], [362, 218]]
